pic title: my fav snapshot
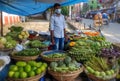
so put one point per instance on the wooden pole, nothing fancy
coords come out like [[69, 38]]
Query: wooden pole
[[1, 18]]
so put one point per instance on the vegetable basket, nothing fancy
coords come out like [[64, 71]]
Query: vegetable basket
[[94, 78], [70, 76], [34, 38], [107, 78], [24, 58], [5, 51], [51, 59], [34, 78]]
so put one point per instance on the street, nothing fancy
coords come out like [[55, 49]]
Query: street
[[111, 31]]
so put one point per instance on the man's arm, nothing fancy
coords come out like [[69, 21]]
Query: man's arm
[[52, 36], [65, 35], [52, 29]]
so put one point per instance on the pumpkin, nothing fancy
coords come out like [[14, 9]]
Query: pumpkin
[[72, 44]]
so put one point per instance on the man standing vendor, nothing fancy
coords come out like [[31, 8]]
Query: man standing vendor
[[57, 28]]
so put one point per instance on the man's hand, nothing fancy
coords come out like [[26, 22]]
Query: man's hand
[[52, 37], [66, 38], [53, 42]]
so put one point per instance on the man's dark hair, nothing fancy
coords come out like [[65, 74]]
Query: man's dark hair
[[56, 4]]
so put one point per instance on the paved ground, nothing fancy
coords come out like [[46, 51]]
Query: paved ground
[[111, 31]]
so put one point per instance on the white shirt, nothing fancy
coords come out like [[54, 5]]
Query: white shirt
[[57, 25]]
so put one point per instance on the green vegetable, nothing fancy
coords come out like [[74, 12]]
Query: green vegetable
[[55, 55], [53, 65], [16, 28], [62, 67], [37, 44], [85, 49], [68, 60], [29, 52]]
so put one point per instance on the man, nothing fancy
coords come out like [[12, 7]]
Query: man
[[57, 28], [105, 18]]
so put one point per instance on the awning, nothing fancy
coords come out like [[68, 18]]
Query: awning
[[29, 7]]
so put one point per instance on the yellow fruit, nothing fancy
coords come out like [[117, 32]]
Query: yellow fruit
[[26, 33], [72, 43], [20, 36], [23, 33], [25, 36]]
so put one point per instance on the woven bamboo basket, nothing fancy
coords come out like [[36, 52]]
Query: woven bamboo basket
[[70, 76], [34, 38], [94, 78], [24, 58], [50, 59], [5, 51], [34, 78]]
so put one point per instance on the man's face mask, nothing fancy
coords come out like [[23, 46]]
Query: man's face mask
[[58, 11]]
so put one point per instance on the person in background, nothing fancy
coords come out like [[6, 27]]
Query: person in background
[[22, 18], [98, 21], [57, 28], [105, 18]]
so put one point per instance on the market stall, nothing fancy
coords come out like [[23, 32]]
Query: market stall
[[87, 52], [25, 55]]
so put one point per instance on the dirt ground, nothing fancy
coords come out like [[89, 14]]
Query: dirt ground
[[36, 25]]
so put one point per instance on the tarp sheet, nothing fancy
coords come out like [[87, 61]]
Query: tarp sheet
[[29, 7]]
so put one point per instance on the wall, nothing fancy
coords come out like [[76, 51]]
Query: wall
[[9, 19]]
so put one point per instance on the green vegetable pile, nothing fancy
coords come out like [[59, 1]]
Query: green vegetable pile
[[36, 44], [64, 66], [7, 43], [86, 48], [23, 70], [28, 52], [55, 55], [14, 31], [16, 28]]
